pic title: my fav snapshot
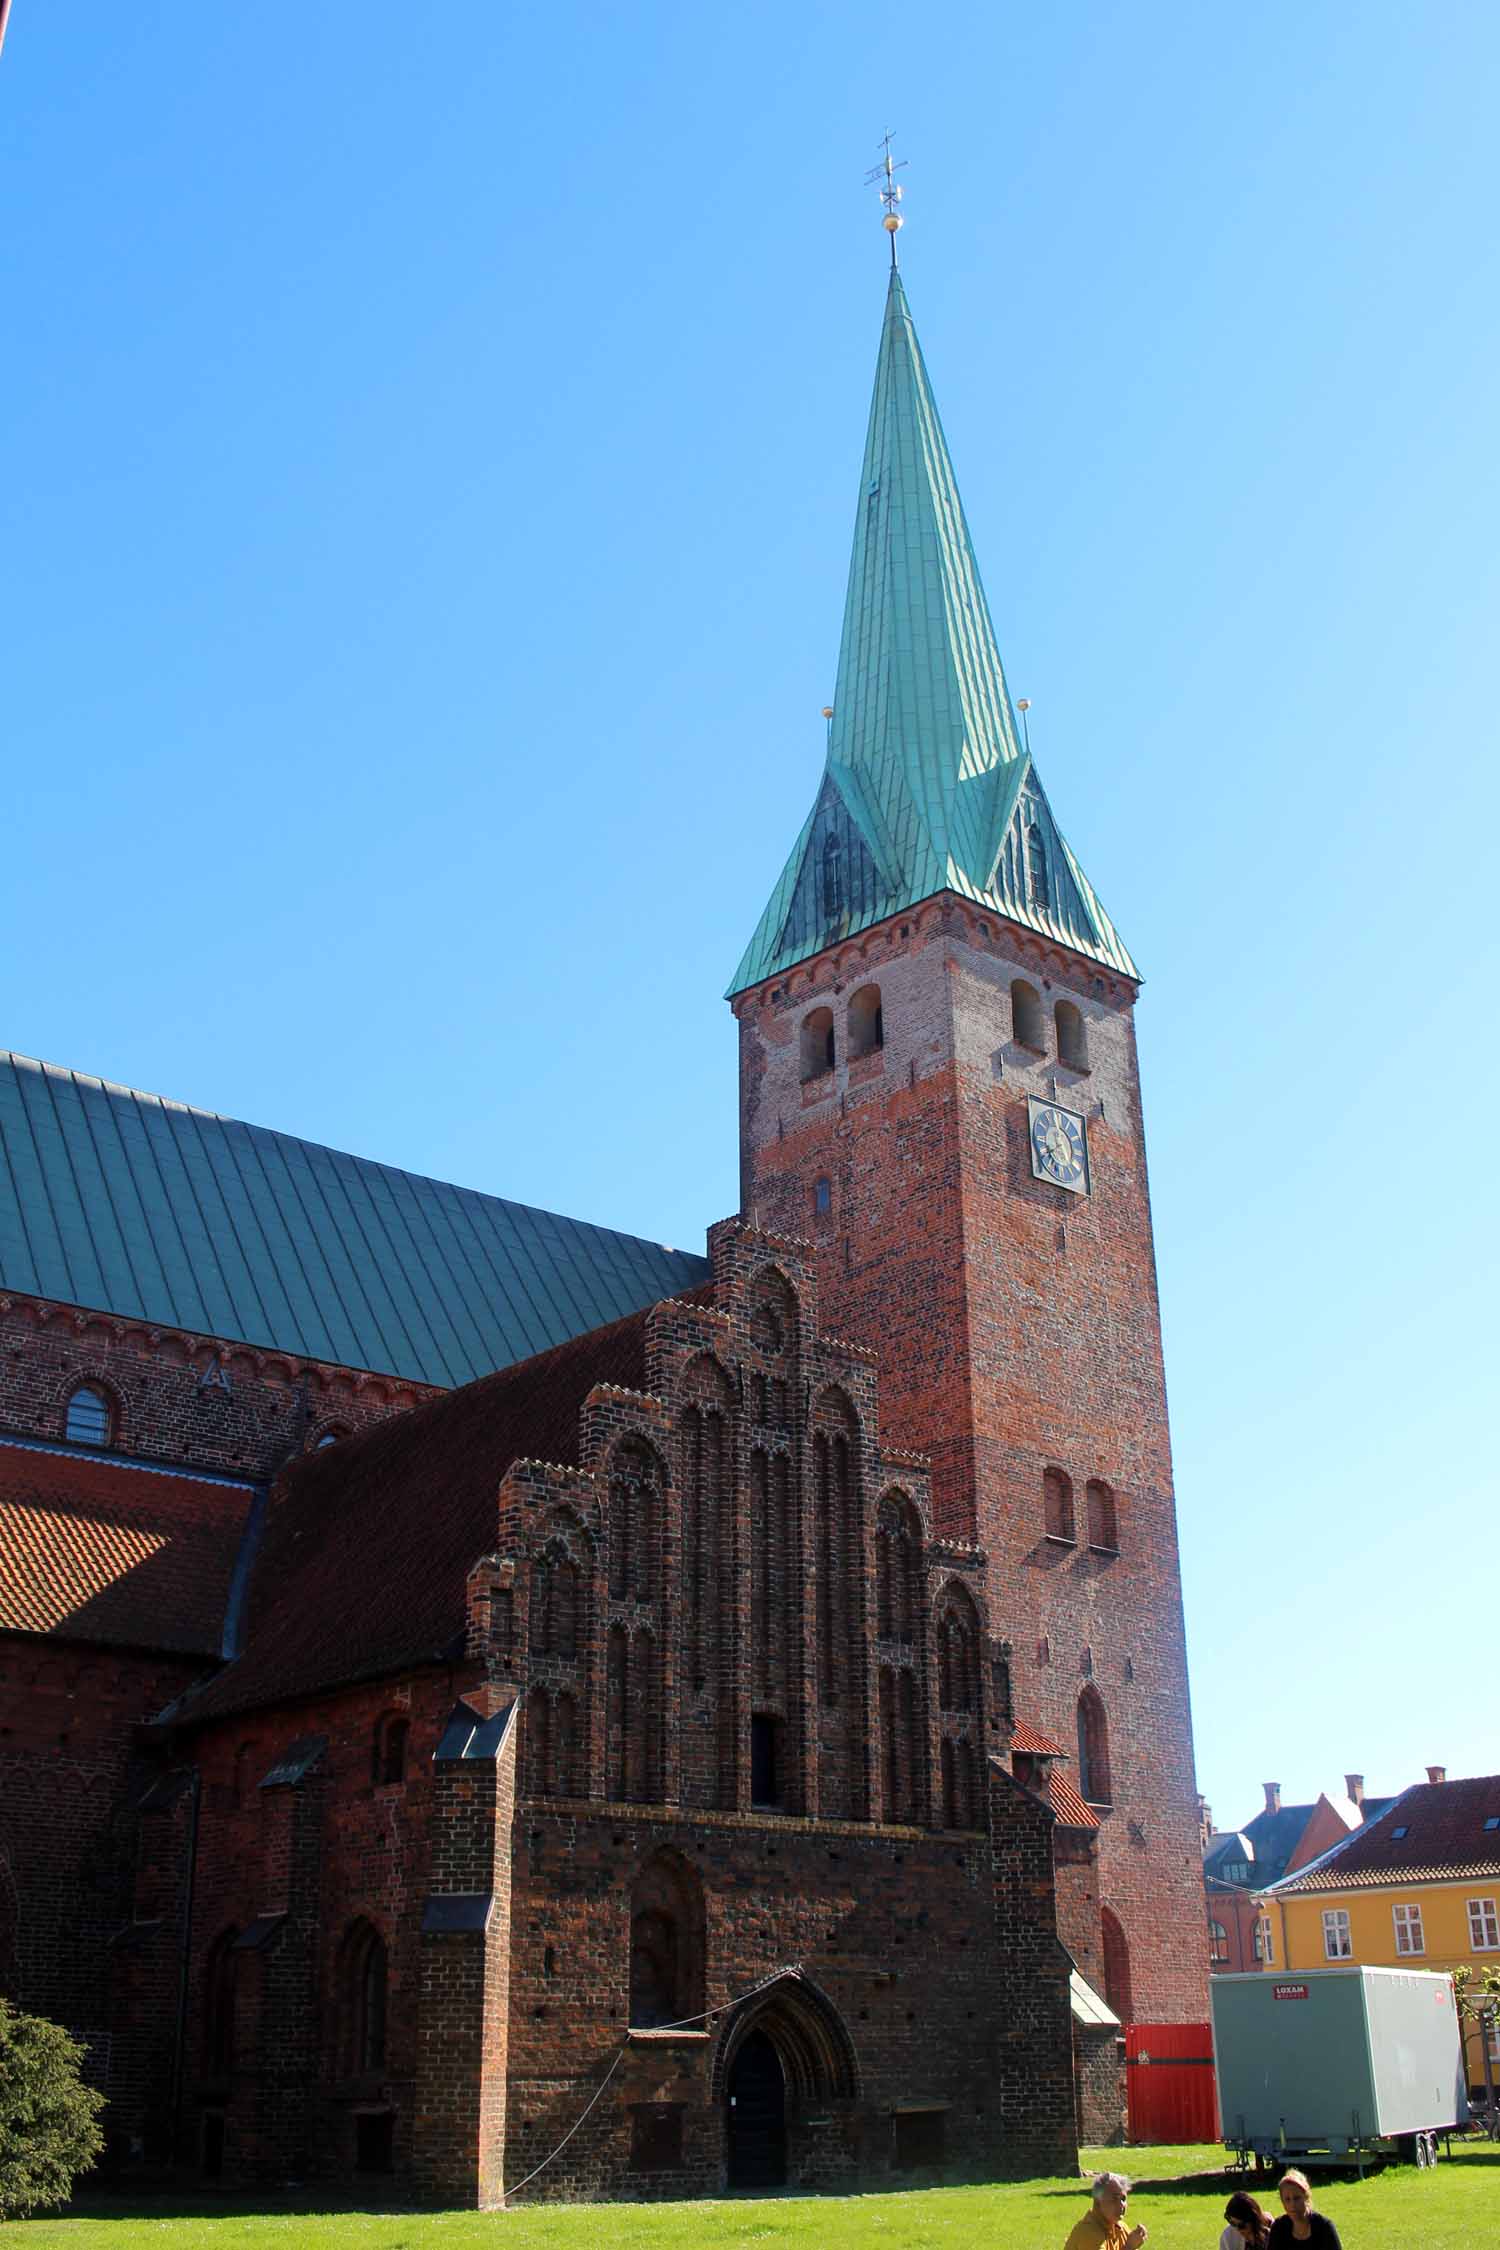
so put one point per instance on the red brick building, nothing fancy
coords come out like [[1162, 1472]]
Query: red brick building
[[470, 1676]]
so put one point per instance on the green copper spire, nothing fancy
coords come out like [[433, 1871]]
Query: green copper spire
[[928, 786]]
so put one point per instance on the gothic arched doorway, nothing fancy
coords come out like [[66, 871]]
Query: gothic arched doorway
[[783, 2060], [757, 2116]]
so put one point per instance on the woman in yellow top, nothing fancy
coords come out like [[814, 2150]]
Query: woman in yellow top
[[1104, 2228]]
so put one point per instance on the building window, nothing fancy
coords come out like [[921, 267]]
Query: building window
[[1484, 1928], [1337, 1945], [833, 877], [1103, 1530], [656, 2137], [1265, 1943], [388, 1751], [765, 1784], [1027, 1023], [1218, 1943], [1093, 1748], [90, 1417], [1116, 1965], [1072, 1047], [1057, 1504], [219, 1998], [917, 2140], [866, 1022], [1408, 1921], [822, 1198], [817, 1044], [364, 1994], [1038, 890]]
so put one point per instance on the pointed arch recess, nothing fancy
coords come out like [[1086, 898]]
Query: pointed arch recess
[[808, 2033]]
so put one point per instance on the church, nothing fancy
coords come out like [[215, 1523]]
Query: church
[[503, 1705]]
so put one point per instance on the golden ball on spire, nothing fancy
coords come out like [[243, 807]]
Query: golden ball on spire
[[893, 222]]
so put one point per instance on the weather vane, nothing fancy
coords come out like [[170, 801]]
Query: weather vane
[[883, 176]]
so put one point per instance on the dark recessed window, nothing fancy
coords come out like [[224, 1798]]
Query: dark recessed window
[[765, 1784], [375, 2141], [1395, 1832], [89, 1419], [1493, 1821], [822, 1198], [656, 2137], [919, 2139]]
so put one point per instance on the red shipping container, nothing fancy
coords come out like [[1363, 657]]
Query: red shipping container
[[1171, 2092]]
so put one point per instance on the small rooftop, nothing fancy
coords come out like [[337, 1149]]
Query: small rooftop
[[1431, 1832]]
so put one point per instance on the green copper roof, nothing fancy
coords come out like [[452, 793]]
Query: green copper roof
[[928, 786], [132, 1205]]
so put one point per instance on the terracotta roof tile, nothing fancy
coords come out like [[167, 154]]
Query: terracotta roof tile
[[1069, 1807], [1032, 1740], [114, 1552], [402, 1512], [1443, 1834]]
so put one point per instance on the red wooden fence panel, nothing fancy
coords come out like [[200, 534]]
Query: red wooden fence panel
[[1171, 2094]]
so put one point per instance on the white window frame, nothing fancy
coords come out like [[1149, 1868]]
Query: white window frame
[[1338, 1943], [1267, 1940], [1484, 1926], [1406, 1920]]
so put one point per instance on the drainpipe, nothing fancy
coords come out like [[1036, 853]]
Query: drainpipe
[[185, 1950]]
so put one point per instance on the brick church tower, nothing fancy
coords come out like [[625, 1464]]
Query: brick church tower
[[939, 1089]]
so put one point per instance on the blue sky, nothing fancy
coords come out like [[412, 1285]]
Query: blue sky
[[428, 455]]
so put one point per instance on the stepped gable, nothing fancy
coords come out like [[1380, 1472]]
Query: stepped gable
[[369, 1543], [152, 1210], [122, 1556]]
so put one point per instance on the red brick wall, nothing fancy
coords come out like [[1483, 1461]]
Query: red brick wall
[[68, 1716], [1018, 1329], [190, 1400]]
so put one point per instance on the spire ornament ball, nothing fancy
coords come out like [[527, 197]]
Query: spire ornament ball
[[884, 177]]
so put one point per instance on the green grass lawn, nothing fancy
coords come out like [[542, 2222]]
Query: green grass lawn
[[1456, 2207]]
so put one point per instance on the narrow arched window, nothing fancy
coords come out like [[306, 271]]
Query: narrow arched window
[[219, 1979], [1072, 1047], [1218, 1942], [1093, 1748], [1116, 1965], [822, 1197], [866, 1022], [817, 1048], [834, 886], [1028, 1026], [1103, 1528], [1038, 889], [364, 1978], [90, 1417], [388, 1751], [1057, 1504]]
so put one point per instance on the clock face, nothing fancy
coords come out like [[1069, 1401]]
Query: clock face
[[1059, 1146]]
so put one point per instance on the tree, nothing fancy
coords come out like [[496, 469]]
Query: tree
[[49, 2119]]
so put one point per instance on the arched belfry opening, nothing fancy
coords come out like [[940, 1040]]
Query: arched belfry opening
[[783, 2058]]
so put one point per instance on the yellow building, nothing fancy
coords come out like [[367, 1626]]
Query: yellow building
[[1419, 1888]]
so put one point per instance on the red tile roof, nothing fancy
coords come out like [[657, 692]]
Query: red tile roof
[[1069, 1807], [1034, 1742], [1443, 1834], [123, 1555], [368, 1544]]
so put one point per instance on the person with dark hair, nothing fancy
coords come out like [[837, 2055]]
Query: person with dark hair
[[1246, 2224], [1299, 2222]]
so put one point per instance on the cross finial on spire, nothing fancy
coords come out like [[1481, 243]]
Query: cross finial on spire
[[883, 176]]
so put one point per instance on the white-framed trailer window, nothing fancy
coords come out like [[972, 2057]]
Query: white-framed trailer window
[[1484, 1926], [1408, 1921], [1337, 1945]]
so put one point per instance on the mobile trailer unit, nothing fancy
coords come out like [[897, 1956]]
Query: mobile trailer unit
[[1337, 2062]]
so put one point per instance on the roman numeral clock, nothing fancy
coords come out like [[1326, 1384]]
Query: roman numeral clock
[[1059, 1146]]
